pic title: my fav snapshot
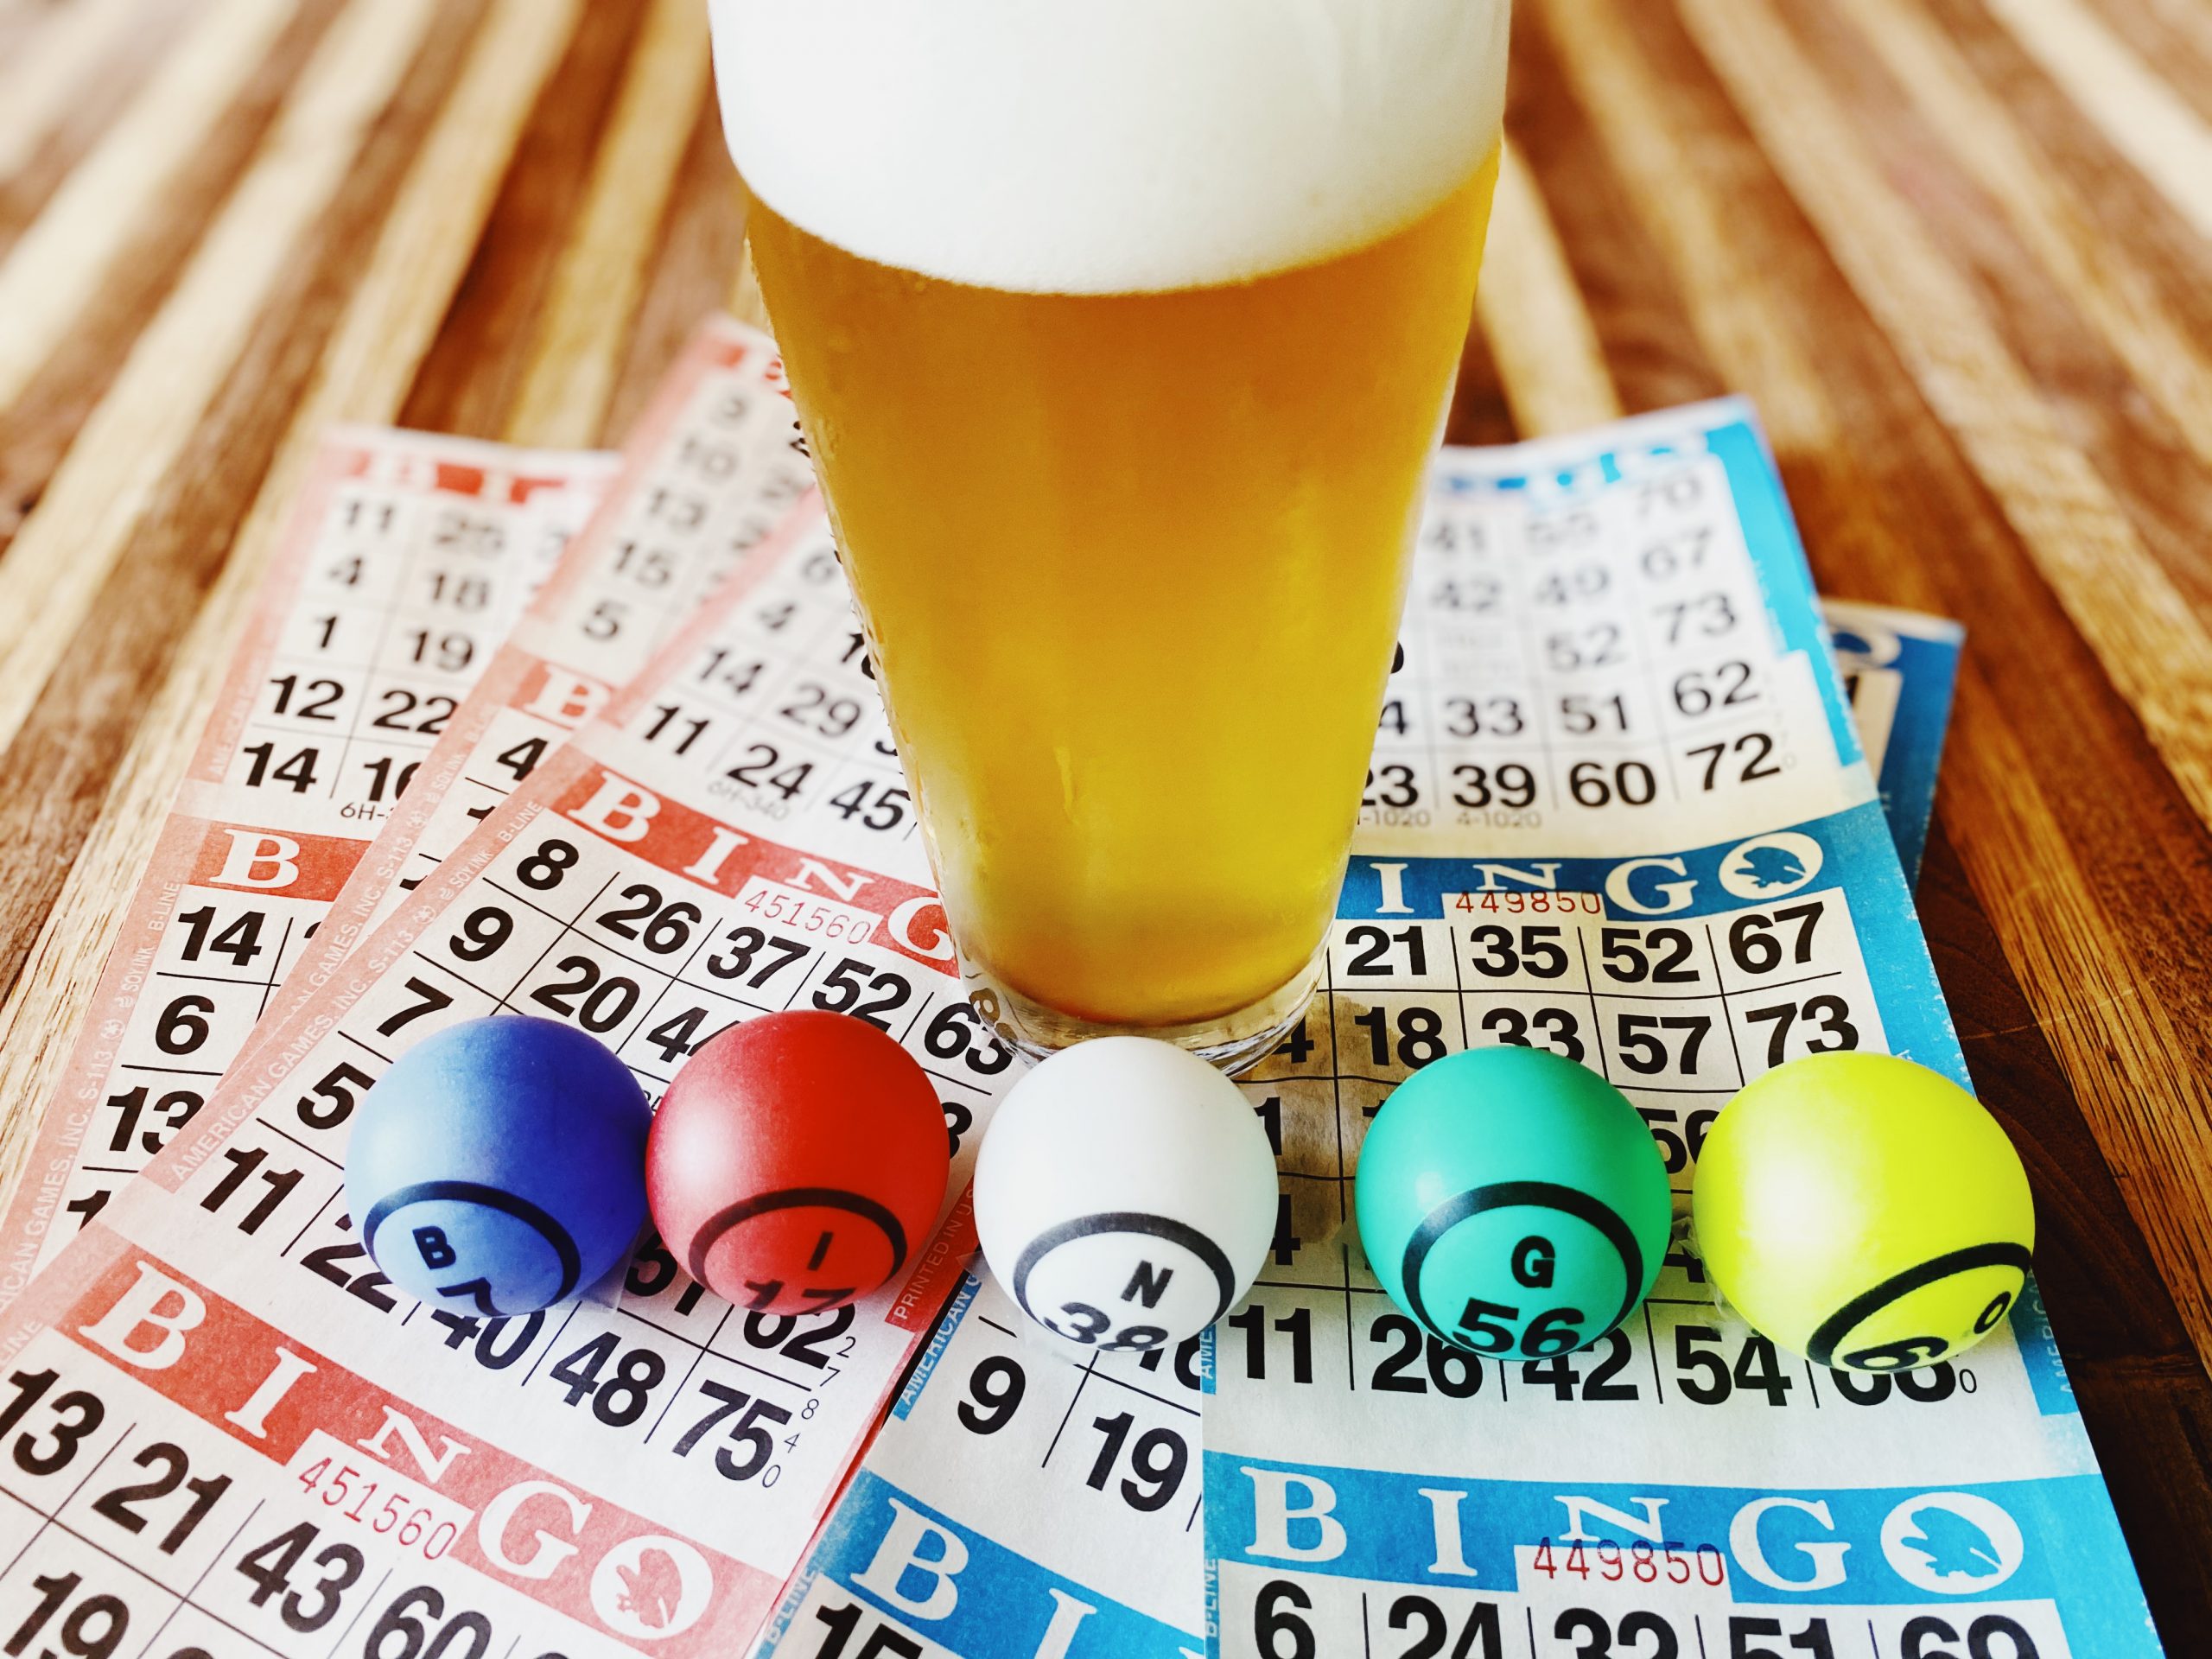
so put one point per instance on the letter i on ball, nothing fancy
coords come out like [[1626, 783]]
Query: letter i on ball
[[499, 1166], [1125, 1194], [797, 1162]]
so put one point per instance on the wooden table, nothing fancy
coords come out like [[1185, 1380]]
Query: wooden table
[[1959, 251]]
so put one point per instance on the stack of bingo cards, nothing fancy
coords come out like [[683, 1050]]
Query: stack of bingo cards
[[731, 837], [405, 562], [1617, 810], [1691, 883], [392, 648], [715, 464]]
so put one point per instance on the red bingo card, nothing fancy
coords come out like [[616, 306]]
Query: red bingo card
[[406, 560]]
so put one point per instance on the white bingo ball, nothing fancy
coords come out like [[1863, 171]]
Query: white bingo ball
[[1125, 1194]]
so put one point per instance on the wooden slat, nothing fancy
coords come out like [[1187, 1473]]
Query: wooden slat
[[48, 72], [1549, 358], [2087, 361], [2157, 130], [55, 267], [485, 349], [37, 428], [419, 259], [596, 286], [2162, 28], [1687, 211], [103, 491], [78, 128], [2175, 34], [701, 240], [2099, 278], [363, 374], [2125, 206], [1651, 344]]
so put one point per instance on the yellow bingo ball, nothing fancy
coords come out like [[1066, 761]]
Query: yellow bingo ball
[[1863, 1212]]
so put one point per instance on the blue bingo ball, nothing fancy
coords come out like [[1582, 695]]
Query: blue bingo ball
[[500, 1166]]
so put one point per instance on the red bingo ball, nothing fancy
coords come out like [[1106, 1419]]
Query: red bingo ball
[[797, 1162]]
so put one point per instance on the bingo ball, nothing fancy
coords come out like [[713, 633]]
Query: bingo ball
[[1125, 1194], [797, 1162], [1512, 1202], [499, 1166], [1863, 1211]]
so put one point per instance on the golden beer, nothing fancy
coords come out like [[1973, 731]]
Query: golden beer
[[1131, 563]]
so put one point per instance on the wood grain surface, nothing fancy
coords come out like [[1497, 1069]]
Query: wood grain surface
[[1959, 251]]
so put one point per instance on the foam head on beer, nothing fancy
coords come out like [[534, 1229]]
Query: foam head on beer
[[1108, 146], [1122, 330]]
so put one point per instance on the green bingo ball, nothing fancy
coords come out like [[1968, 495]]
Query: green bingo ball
[[1512, 1202], [1863, 1211]]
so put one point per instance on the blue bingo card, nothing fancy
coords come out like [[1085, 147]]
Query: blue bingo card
[[1018, 1502], [1898, 670], [1681, 1487]]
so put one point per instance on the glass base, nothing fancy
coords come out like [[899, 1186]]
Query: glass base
[[1234, 1042]]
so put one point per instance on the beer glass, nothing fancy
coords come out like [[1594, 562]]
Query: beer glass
[[1122, 332]]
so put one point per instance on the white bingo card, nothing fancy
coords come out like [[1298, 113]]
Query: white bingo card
[[714, 462], [406, 560], [731, 838], [1019, 1504]]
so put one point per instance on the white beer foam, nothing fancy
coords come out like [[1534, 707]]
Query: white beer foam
[[1107, 146]]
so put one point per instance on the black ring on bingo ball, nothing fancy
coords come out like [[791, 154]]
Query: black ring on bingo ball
[[491, 1198], [1820, 1350], [793, 1198], [1542, 1195], [1125, 1220]]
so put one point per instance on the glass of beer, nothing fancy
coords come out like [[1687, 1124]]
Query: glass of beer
[[1122, 332]]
